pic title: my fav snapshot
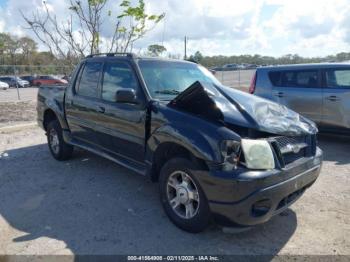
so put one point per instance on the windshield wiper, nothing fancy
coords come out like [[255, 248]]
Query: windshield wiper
[[168, 92]]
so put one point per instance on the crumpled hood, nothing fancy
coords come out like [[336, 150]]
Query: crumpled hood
[[221, 103]]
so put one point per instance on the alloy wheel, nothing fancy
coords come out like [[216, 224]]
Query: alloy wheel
[[182, 194]]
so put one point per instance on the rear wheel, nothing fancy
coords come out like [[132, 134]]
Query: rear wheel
[[182, 197], [59, 149]]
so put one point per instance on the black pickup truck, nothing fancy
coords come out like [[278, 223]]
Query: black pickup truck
[[219, 154]]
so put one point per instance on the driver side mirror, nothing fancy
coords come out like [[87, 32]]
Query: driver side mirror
[[126, 96]]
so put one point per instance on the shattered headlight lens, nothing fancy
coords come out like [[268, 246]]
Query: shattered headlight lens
[[230, 150], [258, 154]]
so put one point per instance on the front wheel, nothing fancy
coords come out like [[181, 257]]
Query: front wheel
[[59, 149], [182, 197]]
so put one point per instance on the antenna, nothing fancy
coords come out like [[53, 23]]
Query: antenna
[[163, 31], [186, 39]]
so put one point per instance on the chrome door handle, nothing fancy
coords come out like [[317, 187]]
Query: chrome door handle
[[333, 98]]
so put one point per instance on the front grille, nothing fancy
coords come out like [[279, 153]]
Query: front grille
[[283, 141], [290, 149], [291, 157]]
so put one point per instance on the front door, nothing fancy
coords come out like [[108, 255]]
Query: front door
[[122, 125], [336, 99]]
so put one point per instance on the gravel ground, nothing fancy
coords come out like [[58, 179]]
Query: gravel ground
[[17, 112], [14, 111], [89, 205], [26, 94]]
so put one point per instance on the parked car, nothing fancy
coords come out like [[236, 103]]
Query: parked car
[[250, 66], [13, 81], [320, 92], [217, 153], [29, 78], [48, 80], [4, 85], [231, 67]]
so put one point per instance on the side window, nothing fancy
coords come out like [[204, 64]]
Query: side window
[[116, 76], [338, 78], [89, 79], [307, 78], [275, 78], [302, 78], [287, 79]]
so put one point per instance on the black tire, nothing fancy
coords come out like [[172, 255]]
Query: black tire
[[201, 219], [59, 149]]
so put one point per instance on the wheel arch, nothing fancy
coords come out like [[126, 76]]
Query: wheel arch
[[172, 140], [168, 150], [49, 116]]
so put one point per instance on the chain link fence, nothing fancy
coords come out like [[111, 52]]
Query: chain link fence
[[13, 74], [238, 79], [33, 70]]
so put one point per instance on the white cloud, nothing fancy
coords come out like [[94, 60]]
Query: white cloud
[[268, 27]]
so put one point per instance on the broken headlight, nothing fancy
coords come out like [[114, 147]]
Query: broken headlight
[[257, 154], [230, 150]]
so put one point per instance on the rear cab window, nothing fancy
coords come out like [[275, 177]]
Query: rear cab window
[[89, 79]]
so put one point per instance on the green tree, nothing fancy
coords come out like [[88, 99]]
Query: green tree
[[197, 57], [156, 50], [27, 47]]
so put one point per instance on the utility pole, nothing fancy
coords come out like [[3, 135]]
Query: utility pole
[[185, 57]]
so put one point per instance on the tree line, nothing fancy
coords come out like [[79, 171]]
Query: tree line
[[220, 60], [22, 51]]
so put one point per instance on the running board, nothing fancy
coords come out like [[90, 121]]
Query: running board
[[132, 165]]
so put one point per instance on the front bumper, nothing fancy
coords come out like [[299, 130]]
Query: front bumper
[[246, 198]]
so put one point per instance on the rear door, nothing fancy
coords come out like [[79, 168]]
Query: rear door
[[83, 108], [336, 98], [299, 90]]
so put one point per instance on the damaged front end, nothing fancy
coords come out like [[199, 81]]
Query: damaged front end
[[267, 130], [269, 158], [233, 107]]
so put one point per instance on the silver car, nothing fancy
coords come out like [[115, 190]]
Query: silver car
[[14, 81], [4, 85], [320, 92]]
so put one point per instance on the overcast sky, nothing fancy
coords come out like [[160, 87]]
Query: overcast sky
[[227, 27]]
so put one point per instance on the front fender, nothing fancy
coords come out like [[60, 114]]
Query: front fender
[[201, 146]]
